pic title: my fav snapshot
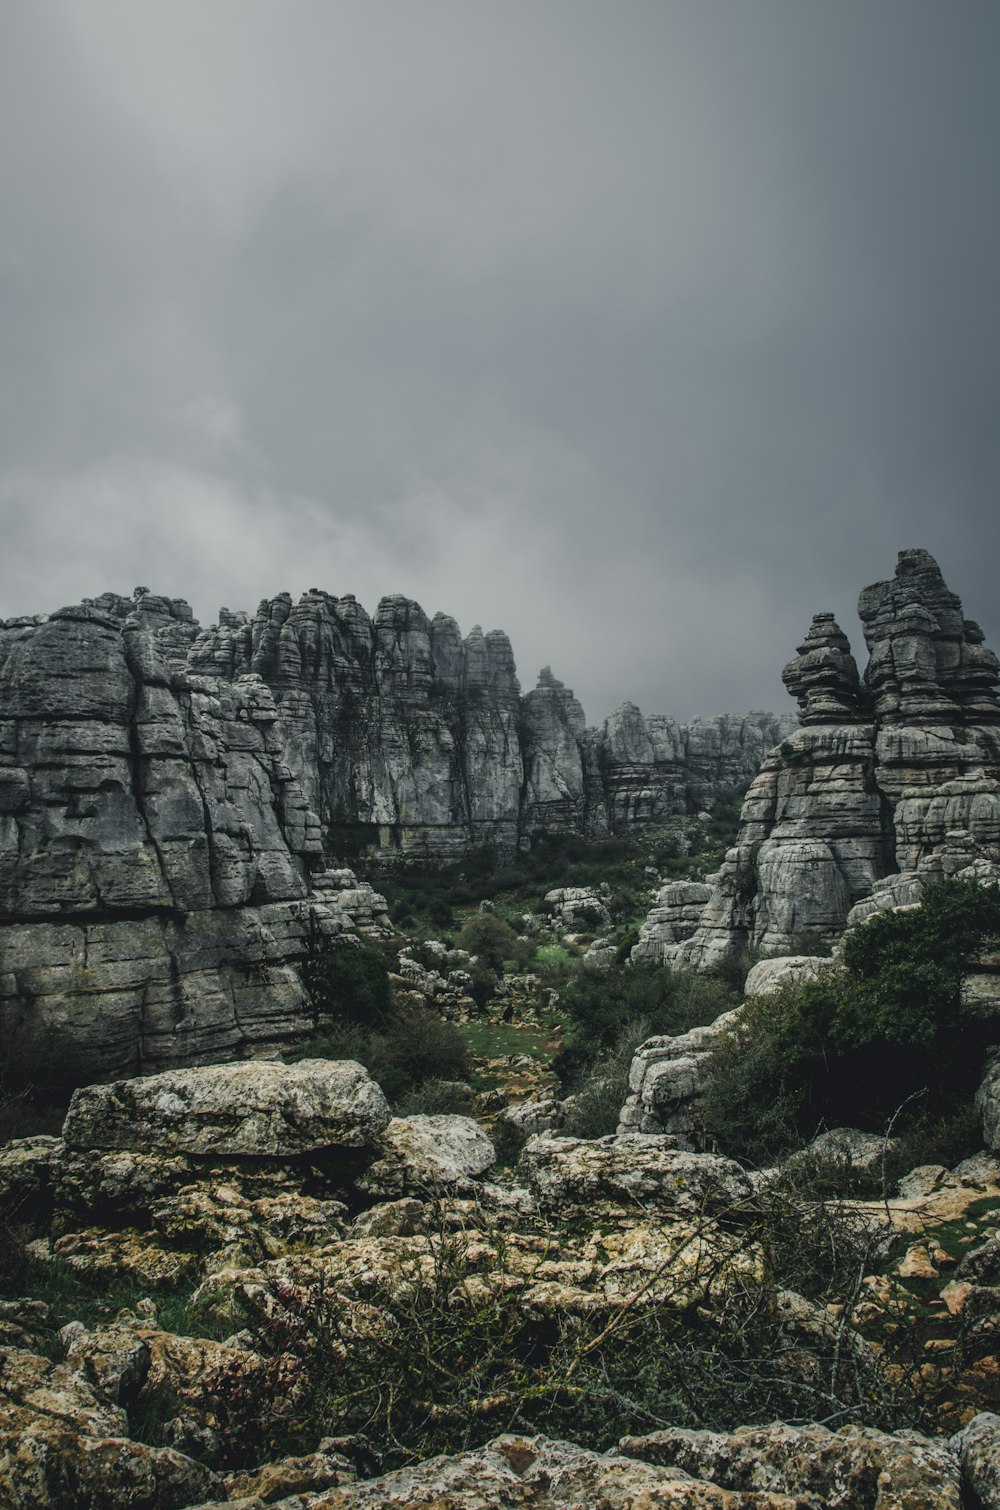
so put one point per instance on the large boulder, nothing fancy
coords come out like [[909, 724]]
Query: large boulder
[[772, 974], [252, 1109], [666, 1080], [978, 1446], [632, 1168], [423, 1153], [855, 1468], [63, 1444]]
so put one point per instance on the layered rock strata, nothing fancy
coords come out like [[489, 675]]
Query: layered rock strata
[[166, 793], [161, 870], [890, 782]]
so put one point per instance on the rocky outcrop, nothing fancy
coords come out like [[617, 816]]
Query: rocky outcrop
[[652, 768], [889, 783], [168, 795], [666, 1082], [155, 848], [837, 1469], [243, 1110], [650, 1170], [426, 1154], [673, 918]]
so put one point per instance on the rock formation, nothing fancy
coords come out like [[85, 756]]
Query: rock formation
[[314, 1233], [888, 784], [166, 793]]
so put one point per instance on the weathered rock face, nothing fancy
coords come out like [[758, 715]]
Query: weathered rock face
[[838, 1469], [886, 785], [395, 723], [666, 1083], [155, 848], [651, 1170], [247, 1110], [165, 792]]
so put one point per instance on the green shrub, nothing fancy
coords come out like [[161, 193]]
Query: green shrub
[[414, 1047], [602, 1087], [349, 983], [491, 939], [882, 1031], [437, 1097], [508, 1141], [763, 1087], [14, 1265], [907, 967], [597, 1003]]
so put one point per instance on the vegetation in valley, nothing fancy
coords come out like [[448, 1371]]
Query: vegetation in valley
[[882, 1031], [429, 898], [405, 1050]]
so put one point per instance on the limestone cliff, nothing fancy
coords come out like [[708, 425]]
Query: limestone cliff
[[167, 792], [889, 782], [155, 846]]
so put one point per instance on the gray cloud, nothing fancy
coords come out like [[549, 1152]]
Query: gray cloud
[[642, 331]]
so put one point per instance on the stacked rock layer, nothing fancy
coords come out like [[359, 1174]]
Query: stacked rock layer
[[166, 792], [889, 783]]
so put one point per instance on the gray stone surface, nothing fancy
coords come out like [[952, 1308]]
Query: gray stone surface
[[856, 1468], [427, 1153], [978, 1445], [564, 1173], [536, 1473], [889, 783], [165, 790], [666, 1081], [250, 1109], [771, 974]]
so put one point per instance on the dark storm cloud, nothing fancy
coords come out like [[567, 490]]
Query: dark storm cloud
[[640, 330]]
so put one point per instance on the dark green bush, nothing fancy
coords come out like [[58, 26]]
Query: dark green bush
[[437, 1097], [907, 968], [414, 1047], [602, 1086], [882, 1031], [349, 983], [597, 1003], [490, 938]]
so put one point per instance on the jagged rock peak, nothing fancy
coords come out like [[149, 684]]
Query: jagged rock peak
[[823, 677], [927, 663], [546, 678]]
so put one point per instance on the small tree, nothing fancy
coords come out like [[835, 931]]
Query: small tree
[[884, 1028], [350, 983], [489, 937]]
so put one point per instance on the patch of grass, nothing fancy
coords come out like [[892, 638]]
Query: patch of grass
[[494, 1040], [555, 958]]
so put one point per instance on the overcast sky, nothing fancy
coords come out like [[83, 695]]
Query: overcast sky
[[641, 329]]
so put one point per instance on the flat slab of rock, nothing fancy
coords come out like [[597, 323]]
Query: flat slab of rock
[[428, 1152], [632, 1168], [535, 1473], [855, 1468], [252, 1109]]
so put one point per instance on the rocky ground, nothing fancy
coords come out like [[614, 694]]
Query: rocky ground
[[249, 1284]]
